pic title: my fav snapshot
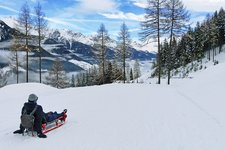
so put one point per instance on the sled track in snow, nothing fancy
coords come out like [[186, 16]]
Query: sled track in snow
[[189, 99]]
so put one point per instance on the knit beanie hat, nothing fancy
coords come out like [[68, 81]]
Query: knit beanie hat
[[32, 98]]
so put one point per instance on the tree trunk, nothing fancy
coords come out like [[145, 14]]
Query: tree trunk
[[26, 48], [170, 49], [17, 68], [159, 51], [40, 52]]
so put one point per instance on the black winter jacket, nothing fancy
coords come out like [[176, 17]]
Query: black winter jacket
[[39, 114]]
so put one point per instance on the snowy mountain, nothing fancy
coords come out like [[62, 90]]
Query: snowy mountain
[[83, 45], [187, 115], [66, 44], [10, 21], [69, 35], [6, 32]]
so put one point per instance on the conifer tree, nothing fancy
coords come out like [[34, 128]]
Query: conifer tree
[[73, 81], [101, 49], [78, 80], [154, 26], [57, 76], [137, 70], [123, 46], [25, 23], [210, 35], [109, 73], [116, 71], [131, 74], [93, 73], [214, 34], [40, 26], [190, 45], [221, 28], [3, 78], [14, 60], [199, 53], [164, 53], [177, 18], [127, 72]]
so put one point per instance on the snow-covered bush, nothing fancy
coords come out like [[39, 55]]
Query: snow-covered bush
[[3, 78]]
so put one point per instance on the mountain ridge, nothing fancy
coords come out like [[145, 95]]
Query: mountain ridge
[[65, 44]]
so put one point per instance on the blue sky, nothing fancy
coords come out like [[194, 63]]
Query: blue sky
[[85, 16]]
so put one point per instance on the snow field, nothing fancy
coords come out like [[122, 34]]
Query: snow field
[[187, 115]]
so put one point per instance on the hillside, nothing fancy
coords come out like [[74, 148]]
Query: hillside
[[187, 115]]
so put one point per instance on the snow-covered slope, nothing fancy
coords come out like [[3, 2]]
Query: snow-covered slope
[[191, 70], [187, 115]]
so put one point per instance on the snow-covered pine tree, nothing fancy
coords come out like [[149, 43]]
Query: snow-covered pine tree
[[198, 39], [93, 75], [182, 52], [13, 64], [164, 51], [190, 45], [3, 78], [78, 80], [221, 28], [210, 35], [116, 71], [128, 72], [131, 74], [57, 76], [171, 59], [72, 81], [14, 58], [137, 70], [109, 72], [214, 35]]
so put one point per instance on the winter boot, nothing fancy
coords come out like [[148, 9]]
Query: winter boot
[[65, 110], [41, 135], [18, 131]]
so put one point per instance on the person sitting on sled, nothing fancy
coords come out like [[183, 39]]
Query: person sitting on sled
[[40, 116]]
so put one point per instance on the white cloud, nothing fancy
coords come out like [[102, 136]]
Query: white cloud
[[204, 5], [124, 16], [140, 3], [35, 1], [195, 5], [97, 6], [84, 7]]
